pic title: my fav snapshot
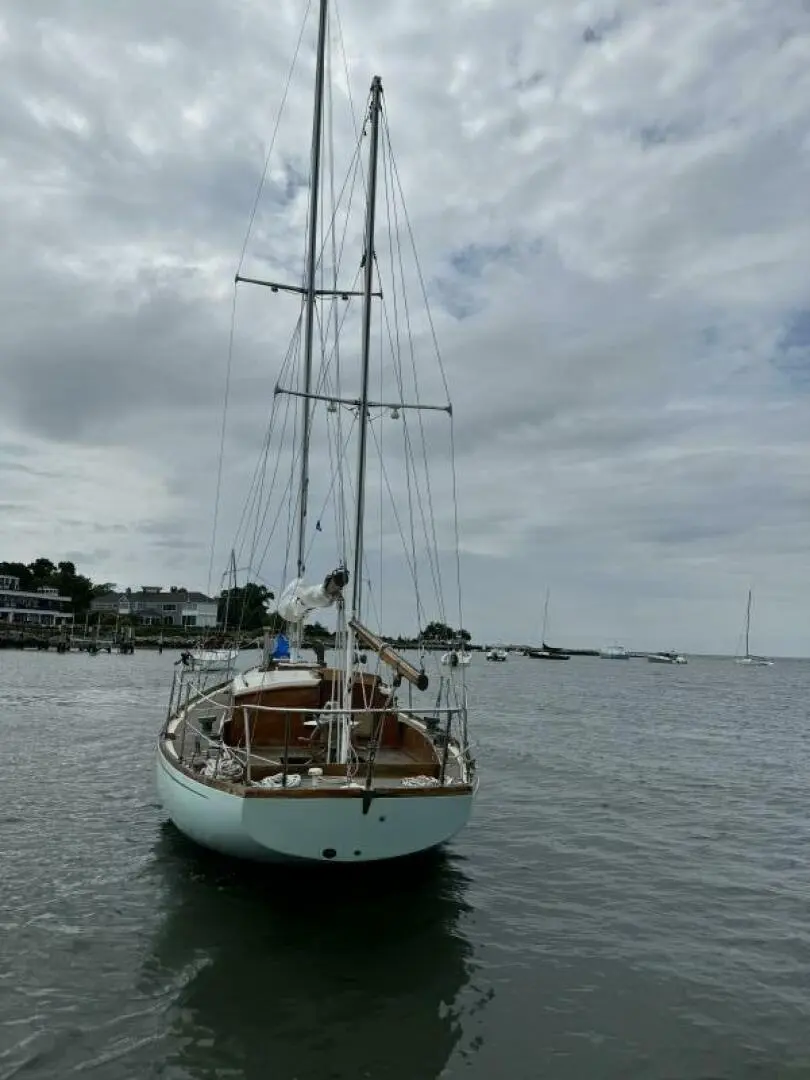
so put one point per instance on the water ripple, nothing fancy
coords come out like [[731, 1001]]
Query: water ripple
[[631, 899]]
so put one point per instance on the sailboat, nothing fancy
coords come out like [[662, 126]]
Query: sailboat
[[454, 657], [748, 659], [547, 652], [300, 760], [215, 655], [207, 658]]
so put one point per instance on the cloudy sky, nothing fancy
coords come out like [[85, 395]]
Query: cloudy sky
[[612, 207]]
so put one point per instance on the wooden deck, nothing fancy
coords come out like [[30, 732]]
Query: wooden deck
[[395, 766]]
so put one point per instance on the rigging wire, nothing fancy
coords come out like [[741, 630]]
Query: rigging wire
[[226, 397], [273, 137], [456, 532], [411, 565], [293, 358], [268, 500], [229, 363], [331, 322], [406, 308], [325, 361], [433, 563], [418, 264], [397, 359], [250, 501], [335, 471]]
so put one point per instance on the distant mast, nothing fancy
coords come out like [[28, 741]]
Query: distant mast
[[747, 624]]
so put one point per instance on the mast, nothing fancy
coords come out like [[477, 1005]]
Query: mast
[[747, 623], [545, 616], [309, 286], [368, 290], [230, 591]]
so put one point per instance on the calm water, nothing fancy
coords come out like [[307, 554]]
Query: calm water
[[632, 899]]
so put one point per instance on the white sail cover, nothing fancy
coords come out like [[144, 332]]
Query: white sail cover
[[299, 600]]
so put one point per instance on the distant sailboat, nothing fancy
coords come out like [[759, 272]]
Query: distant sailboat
[[748, 659], [457, 657], [547, 652]]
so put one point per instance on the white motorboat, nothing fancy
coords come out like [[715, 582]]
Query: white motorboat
[[614, 652]]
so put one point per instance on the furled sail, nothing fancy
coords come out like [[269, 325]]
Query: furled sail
[[299, 600]]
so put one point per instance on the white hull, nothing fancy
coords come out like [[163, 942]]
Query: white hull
[[300, 827], [664, 659], [753, 661], [212, 659], [462, 659]]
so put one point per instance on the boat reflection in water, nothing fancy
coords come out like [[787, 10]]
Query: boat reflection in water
[[277, 972]]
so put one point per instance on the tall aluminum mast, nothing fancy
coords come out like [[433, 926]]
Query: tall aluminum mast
[[309, 287], [363, 410], [368, 293]]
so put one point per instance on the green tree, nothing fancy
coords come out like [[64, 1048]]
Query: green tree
[[78, 587], [439, 631], [103, 588], [43, 571], [18, 570], [244, 607]]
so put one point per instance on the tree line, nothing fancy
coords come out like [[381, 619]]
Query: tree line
[[242, 608]]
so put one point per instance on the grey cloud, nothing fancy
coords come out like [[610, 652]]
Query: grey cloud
[[91, 526], [21, 467], [71, 381], [84, 558], [175, 544]]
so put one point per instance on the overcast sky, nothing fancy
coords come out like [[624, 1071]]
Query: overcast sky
[[612, 206]]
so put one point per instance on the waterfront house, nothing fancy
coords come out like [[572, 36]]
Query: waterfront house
[[42, 607], [152, 606]]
